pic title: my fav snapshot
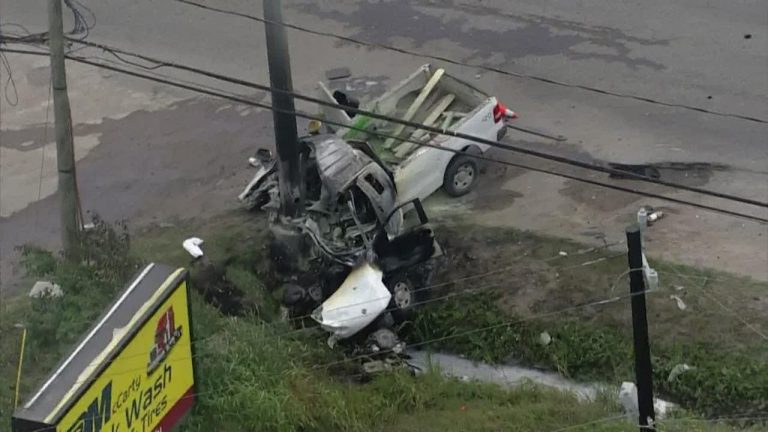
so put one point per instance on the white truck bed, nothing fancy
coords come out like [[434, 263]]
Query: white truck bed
[[432, 97]]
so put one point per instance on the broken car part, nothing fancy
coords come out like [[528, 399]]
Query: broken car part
[[358, 301], [348, 197], [192, 246]]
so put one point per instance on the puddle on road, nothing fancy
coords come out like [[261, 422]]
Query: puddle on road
[[685, 173], [695, 174], [425, 22]]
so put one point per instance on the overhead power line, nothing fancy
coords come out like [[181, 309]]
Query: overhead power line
[[158, 63], [472, 65], [246, 101]]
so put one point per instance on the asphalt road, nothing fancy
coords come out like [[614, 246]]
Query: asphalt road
[[152, 154]]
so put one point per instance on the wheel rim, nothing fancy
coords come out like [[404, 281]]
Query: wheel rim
[[402, 292], [464, 177]]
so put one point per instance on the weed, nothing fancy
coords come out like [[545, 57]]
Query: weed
[[721, 383]]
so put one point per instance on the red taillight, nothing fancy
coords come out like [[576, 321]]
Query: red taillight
[[498, 112]]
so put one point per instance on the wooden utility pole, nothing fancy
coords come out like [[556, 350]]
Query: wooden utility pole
[[643, 368], [286, 135], [65, 154]]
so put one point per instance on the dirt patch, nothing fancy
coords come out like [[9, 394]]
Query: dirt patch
[[596, 197], [218, 291], [499, 200], [521, 283], [532, 275]]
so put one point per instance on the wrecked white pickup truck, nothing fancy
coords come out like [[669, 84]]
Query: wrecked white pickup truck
[[348, 196], [353, 218], [434, 98], [369, 266]]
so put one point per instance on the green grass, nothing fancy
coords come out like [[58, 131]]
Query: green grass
[[255, 373], [595, 343]]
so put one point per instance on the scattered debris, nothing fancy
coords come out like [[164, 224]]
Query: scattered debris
[[545, 339], [563, 253], [628, 400], [678, 370], [647, 215], [355, 304], [387, 364], [338, 73], [362, 264], [192, 245], [680, 303], [385, 340], [348, 197], [43, 289]]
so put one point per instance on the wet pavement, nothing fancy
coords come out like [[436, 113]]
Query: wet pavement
[[149, 153]]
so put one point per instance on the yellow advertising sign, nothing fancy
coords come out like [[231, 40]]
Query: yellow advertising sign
[[149, 385]]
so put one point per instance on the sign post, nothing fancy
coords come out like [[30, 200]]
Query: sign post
[[132, 371]]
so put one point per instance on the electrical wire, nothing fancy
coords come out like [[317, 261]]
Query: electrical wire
[[473, 277], [471, 65], [246, 101], [9, 82], [158, 63], [225, 389], [19, 26], [592, 423], [707, 293], [509, 323], [81, 26], [452, 282], [426, 342]]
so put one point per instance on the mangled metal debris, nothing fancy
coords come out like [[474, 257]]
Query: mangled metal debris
[[358, 301], [43, 289], [348, 196], [364, 265]]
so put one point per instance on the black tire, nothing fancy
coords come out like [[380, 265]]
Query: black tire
[[461, 175], [293, 294], [406, 297]]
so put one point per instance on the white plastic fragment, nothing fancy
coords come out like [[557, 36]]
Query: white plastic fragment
[[680, 303], [45, 289], [360, 299], [545, 339], [563, 253], [653, 217], [678, 370], [628, 400], [192, 245]]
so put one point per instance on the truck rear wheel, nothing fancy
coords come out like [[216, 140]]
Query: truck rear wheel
[[461, 175], [405, 297]]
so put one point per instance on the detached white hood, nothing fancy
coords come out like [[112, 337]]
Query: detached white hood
[[358, 301]]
